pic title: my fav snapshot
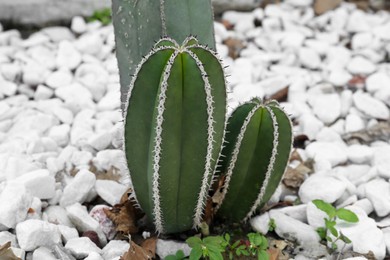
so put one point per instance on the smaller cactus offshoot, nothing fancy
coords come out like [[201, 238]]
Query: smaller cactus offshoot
[[259, 138]]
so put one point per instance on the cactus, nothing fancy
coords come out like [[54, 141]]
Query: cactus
[[259, 139], [174, 129], [140, 23]]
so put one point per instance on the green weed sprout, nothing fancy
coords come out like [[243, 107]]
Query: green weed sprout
[[209, 247], [330, 222]]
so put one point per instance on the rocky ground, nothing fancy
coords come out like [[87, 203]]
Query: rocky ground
[[61, 130]]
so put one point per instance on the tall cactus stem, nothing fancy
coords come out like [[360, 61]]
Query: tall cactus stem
[[270, 167], [163, 19], [236, 152]]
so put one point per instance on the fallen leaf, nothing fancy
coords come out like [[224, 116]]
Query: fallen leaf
[[378, 132], [6, 252], [124, 215], [295, 156], [357, 82], [321, 6], [300, 140], [150, 246], [136, 252], [235, 46], [294, 177], [273, 253], [281, 95]]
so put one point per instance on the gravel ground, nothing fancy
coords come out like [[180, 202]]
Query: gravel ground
[[59, 115]]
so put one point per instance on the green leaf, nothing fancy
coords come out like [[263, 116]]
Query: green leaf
[[334, 246], [235, 244], [227, 237], [178, 256], [321, 232], [329, 239], [255, 238], [262, 255], [347, 215], [215, 255], [213, 240], [196, 253], [333, 231], [325, 207], [194, 241], [264, 243], [345, 239]]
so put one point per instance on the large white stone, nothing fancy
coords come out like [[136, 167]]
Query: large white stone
[[42, 92], [315, 216], [322, 187], [77, 190], [100, 141], [56, 215], [67, 55], [7, 88], [78, 24], [81, 247], [381, 160], [335, 153], [110, 191], [39, 183], [261, 223], [115, 248], [309, 58], [34, 233], [359, 153], [292, 229], [79, 216], [67, 233], [6, 236], [361, 40], [94, 77], [310, 125], [377, 81], [370, 106], [15, 201], [326, 107], [378, 192], [361, 65], [59, 78], [354, 123], [43, 253]]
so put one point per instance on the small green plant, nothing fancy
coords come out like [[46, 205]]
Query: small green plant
[[330, 222], [102, 15], [271, 225], [209, 247], [178, 256]]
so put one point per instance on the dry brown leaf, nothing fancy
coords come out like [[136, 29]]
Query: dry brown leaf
[[294, 177], [378, 132], [281, 95], [235, 46], [295, 156], [149, 245], [136, 252], [6, 252], [321, 6], [273, 253], [123, 215]]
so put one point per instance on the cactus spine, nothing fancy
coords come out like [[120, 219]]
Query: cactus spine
[[140, 23], [174, 129], [259, 138]]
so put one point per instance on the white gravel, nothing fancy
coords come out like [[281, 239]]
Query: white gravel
[[59, 113]]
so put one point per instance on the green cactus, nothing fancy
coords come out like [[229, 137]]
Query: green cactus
[[140, 23], [174, 129], [259, 138]]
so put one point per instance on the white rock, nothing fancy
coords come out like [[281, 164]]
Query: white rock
[[95, 256], [43, 253], [67, 233], [58, 33], [361, 40], [309, 58], [339, 77], [297, 212], [10, 71], [110, 191], [381, 161], [358, 22], [94, 77], [328, 134], [81, 247], [378, 192], [6, 236], [292, 229], [165, 248], [261, 223], [354, 123], [90, 43], [377, 81], [338, 57], [327, 107], [7, 88], [365, 204], [77, 190], [34, 233], [115, 248], [59, 78], [110, 101], [38, 183], [78, 25], [56, 215], [67, 56], [360, 65], [105, 159], [322, 187], [335, 153], [100, 141], [60, 134], [81, 158], [310, 125], [84, 222], [315, 216], [43, 55], [43, 92], [359, 153], [15, 201], [370, 106]]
